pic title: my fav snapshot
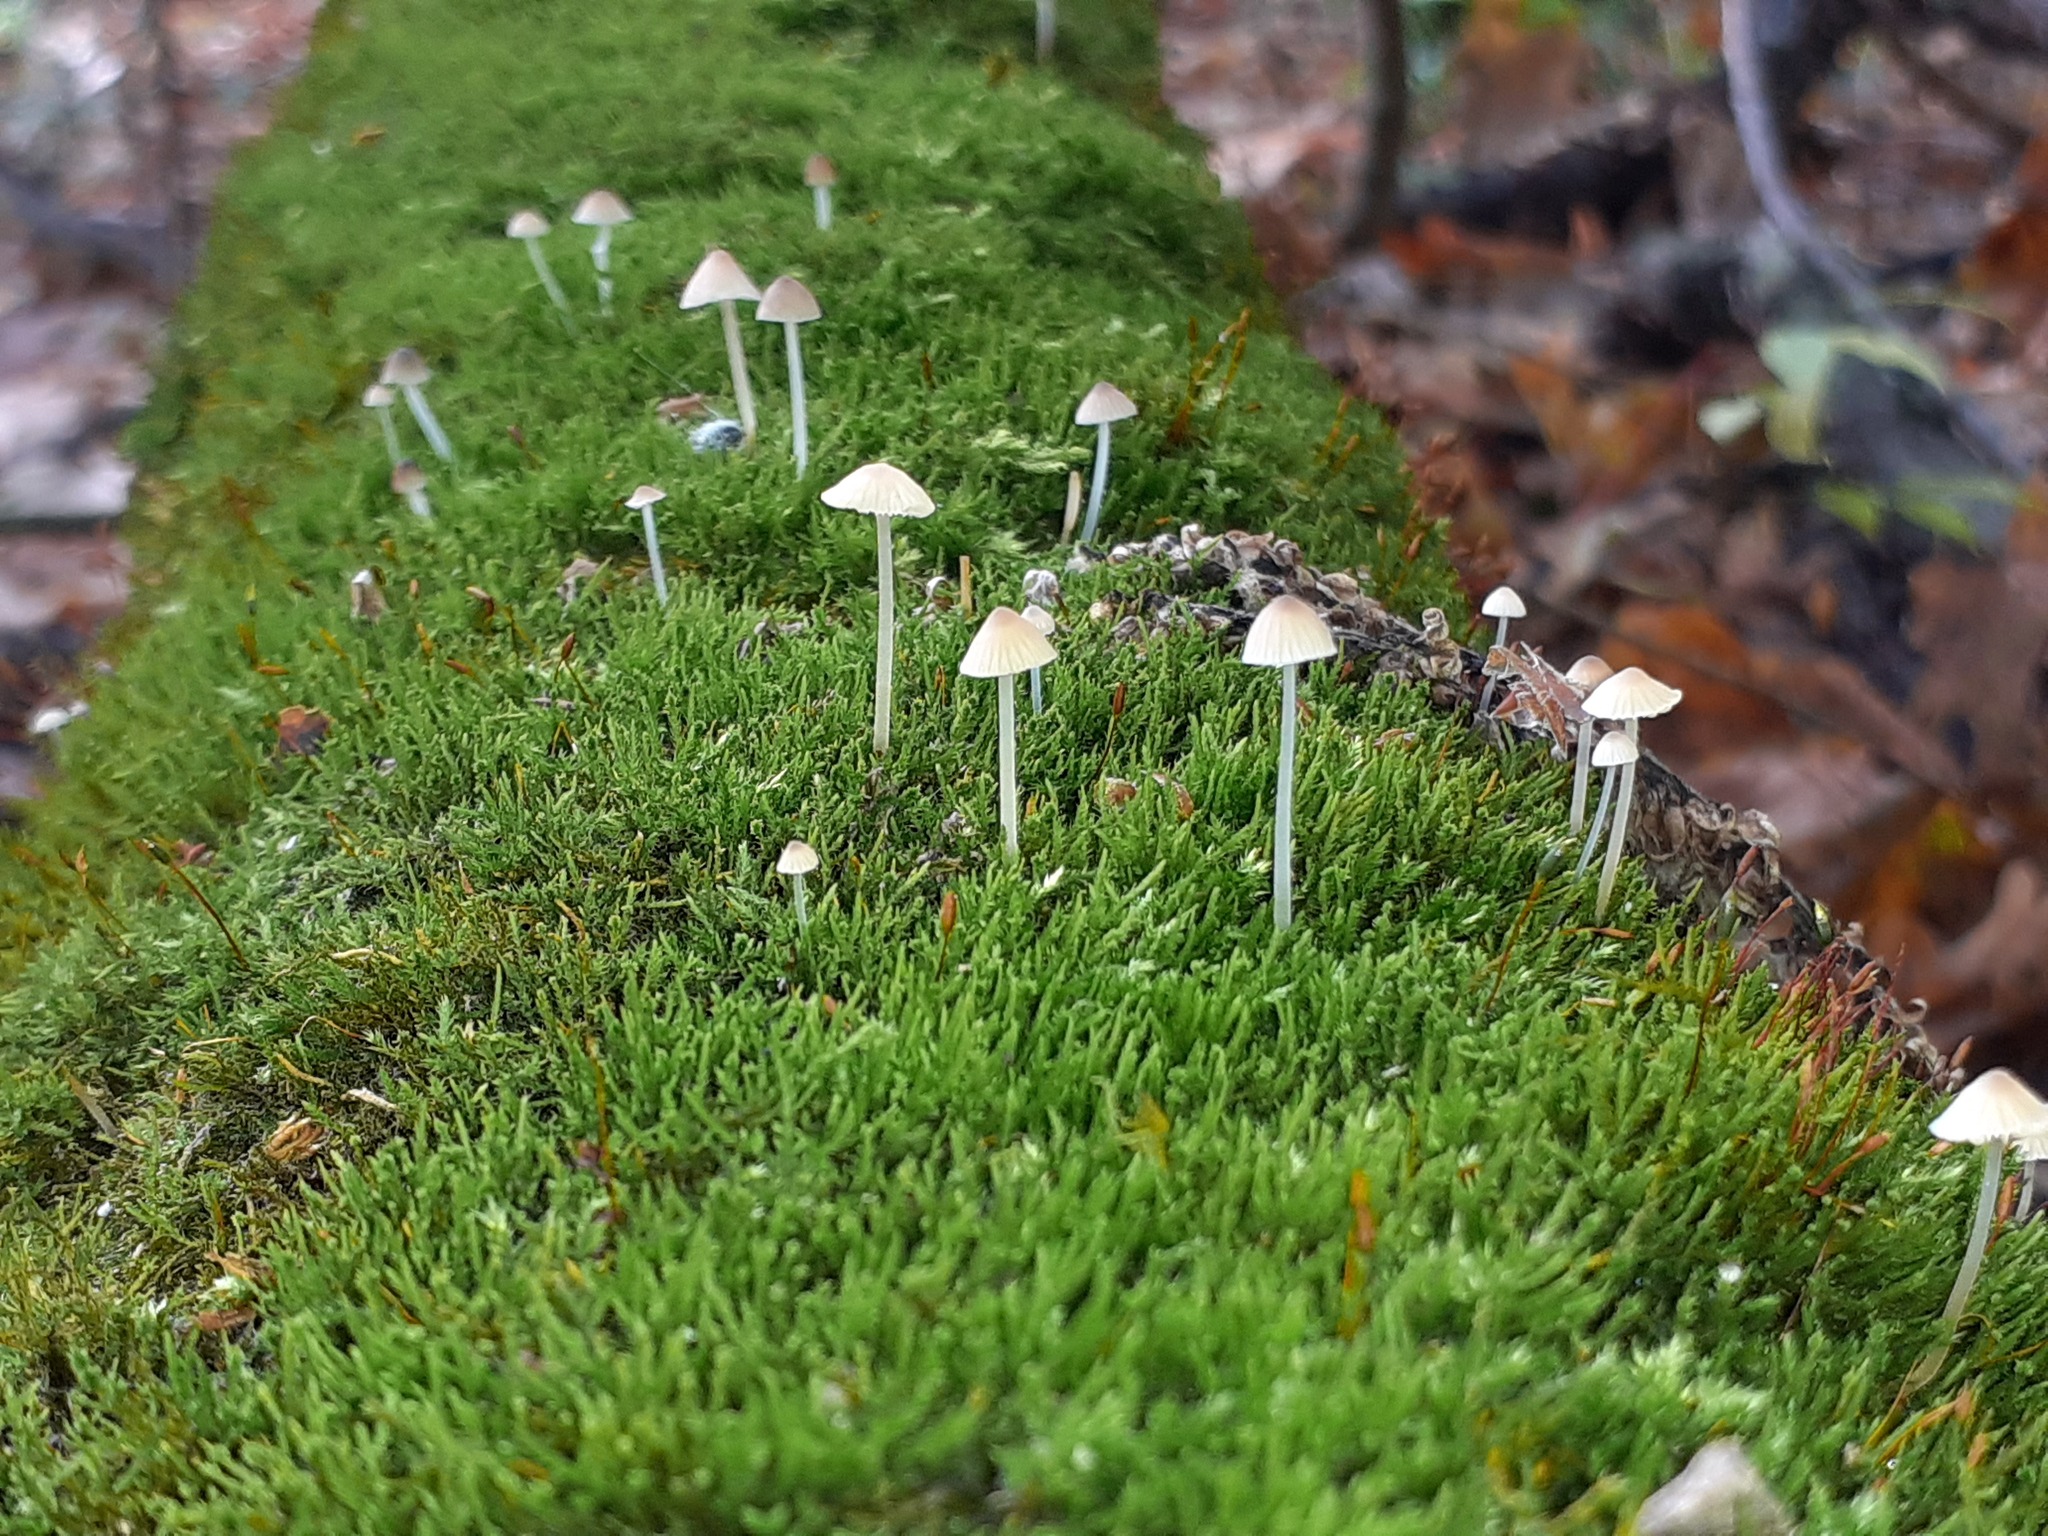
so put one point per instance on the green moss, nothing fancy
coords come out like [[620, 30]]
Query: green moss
[[1045, 1220]]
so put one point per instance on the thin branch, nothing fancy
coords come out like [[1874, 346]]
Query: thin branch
[[1386, 128]]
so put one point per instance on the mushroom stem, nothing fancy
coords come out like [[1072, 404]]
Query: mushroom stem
[[803, 916], [1500, 642], [1611, 865], [736, 355], [1980, 1230], [1599, 821], [601, 258], [1037, 692], [546, 274], [1006, 756], [390, 434], [423, 413], [1100, 484], [1582, 773], [885, 637], [421, 507], [1047, 20], [2026, 1204], [654, 564], [1283, 809], [800, 426], [821, 205]]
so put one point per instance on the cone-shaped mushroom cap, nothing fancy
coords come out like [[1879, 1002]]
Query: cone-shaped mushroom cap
[[1588, 672], [1105, 402], [1994, 1105], [378, 396], [1287, 631], [404, 368], [2034, 1148], [407, 477], [1631, 694], [600, 208], [1614, 749], [798, 858], [879, 490], [717, 278], [646, 496], [1006, 643], [1040, 620], [820, 172], [789, 302], [527, 224], [1504, 603]]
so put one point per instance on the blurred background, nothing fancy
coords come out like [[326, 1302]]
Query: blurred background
[[1781, 448]]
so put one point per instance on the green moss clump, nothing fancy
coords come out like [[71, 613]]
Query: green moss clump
[[485, 1152]]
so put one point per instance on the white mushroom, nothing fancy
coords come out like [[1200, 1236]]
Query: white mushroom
[[1505, 605], [1045, 624], [410, 481], [2033, 1155], [790, 304], [1630, 696], [1007, 643], [719, 280], [1586, 674], [642, 501], [1614, 752], [1993, 1112], [820, 175], [530, 225], [1101, 406], [603, 211], [1286, 634], [798, 859], [883, 492], [380, 398], [406, 371]]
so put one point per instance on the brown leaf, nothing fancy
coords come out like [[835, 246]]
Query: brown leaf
[[225, 1321], [1983, 631], [244, 1268], [301, 732], [294, 1140], [1118, 793], [1514, 81]]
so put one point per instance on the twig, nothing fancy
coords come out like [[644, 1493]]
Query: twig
[[1386, 128]]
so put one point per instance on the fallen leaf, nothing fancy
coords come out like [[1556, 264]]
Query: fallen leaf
[[294, 1140], [301, 732], [224, 1321]]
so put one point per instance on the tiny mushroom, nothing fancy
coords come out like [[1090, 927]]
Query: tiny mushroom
[[642, 501], [1613, 752], [1101, 406], [2033, 1171], [719, 280], [380, 398], [790, 304], [1630, 696], [530, 226], [1286, 633], [603, 211], [1993, 1112], [821, 175], [798, 859], [410, 481], [1007, 643], [1045, 624], [883, 492], [406, 371], [1586, 674], [365, 597], [1505, 605]]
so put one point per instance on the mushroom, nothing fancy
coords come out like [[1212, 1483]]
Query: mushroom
[[365, 597], [1614, 751], [407, 371], [1630, 696], [410, 481], [1072, 516], [883, 492], [642, 501], [1505, 605], [1993, 1111], [1044, 623], [798, 859], [789, 303], [531, 225], [1103, 404], [1007, 643], [603, 211], [1586, 674], [719, 280], [2033, 1157], [821, 175], [380, 398], [1286, 633], [1047, 22]]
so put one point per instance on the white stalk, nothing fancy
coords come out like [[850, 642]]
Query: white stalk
[[736, 356], [1100, 485], [1980, 1230], [803, 917], [546, 274], [1582, 772], [821, 205], [1500, 641], [1283, 810], [1006, 756], [601, 258], [661, 576], [2026, 1190], [885, 637], [1047, 22], [421, 507], [390, 434], [423, 413], [800, 426], [1037, 692], [1599, 821], [1611, 865]]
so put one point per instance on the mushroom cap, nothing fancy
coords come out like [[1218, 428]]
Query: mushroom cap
[[1588, 672], [820, 172], [798, 858], [527, 224], [646, 496], [405, 368], [2034, 1148], [1631, 694], [1287, 631], [789, 302], [363, 578], [718, 278], [1995, 1105], [1613, 749], [1504, 603], [602, 209], [1040, 620], [879, 490], [1105, 402], [379, 397], [1007, 643], [407, 477]]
